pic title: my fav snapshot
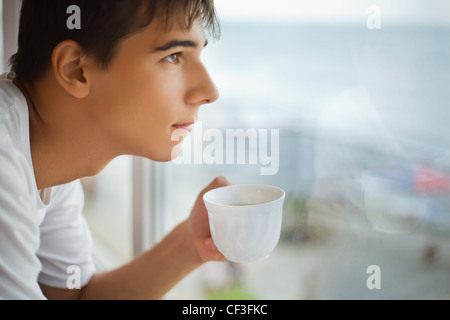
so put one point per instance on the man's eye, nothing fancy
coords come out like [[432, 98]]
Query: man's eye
[[173, 58]]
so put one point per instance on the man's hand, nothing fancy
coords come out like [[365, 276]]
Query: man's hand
[[198, 225]]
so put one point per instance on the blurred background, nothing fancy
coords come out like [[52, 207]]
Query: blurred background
[[359, 93]]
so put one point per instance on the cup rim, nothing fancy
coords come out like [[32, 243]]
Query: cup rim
[[280, 197]]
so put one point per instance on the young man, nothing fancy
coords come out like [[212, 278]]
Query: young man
[[123, 83]]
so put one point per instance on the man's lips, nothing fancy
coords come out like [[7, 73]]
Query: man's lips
[[187, 126]]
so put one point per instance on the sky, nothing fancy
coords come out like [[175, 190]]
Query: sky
[[409, 11]]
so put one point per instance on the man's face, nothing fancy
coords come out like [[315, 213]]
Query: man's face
[[152, 90]]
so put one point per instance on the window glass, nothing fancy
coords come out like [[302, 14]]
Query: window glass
[[109, 212], [347, 104], [343, 105]]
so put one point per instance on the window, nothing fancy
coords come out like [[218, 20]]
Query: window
[[358, 95], [347, 104], [109, 212]]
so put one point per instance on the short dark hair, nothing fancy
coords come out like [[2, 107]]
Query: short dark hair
[[105, 23]]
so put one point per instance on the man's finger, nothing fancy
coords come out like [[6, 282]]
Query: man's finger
[[216, 183]]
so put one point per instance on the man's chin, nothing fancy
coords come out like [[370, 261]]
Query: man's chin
[[166, 156], [176, 150]]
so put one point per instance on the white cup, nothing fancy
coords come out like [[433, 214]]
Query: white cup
[[245, 220]]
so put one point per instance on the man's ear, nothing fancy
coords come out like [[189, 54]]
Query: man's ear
[[69, 64]]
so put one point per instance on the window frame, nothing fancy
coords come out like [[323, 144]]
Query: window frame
[[149, 194]]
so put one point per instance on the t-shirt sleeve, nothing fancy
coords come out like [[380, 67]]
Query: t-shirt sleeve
[[65, 251], [19, 228]]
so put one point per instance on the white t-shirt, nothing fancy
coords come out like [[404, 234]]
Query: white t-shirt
[[43, 235]]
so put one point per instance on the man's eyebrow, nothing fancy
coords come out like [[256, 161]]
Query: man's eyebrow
[[179, 43]]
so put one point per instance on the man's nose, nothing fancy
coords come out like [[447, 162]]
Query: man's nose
[[203, 89]]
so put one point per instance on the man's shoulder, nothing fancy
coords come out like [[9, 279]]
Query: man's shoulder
[[14, 159], [13, 108], [14, 119], [14, 165], [9, 94]]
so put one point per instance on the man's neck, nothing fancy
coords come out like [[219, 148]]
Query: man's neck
[[64, 145]]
